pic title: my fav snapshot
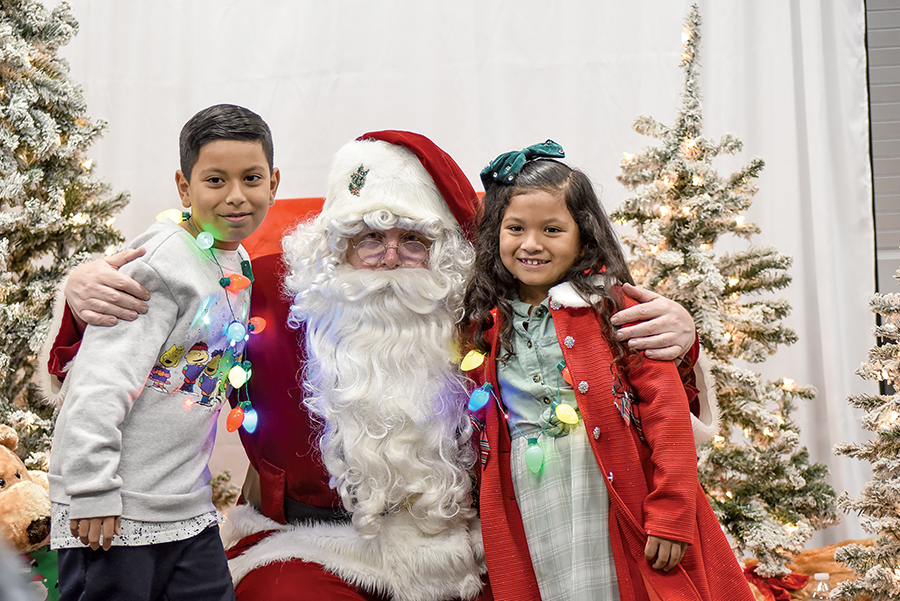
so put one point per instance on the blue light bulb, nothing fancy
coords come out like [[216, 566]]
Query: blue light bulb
[[236, 331], [250, 420], [480, 397]]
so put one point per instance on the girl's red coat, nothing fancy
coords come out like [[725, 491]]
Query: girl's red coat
[[653, 487]]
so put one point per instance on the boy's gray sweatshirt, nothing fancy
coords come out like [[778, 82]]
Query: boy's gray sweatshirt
[[138, 422]]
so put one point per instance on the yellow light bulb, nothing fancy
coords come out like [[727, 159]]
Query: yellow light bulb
[[170, 214], [566, 414], [472, 360], [237, 376]]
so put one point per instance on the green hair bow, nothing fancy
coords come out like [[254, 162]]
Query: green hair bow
[[504, 168]]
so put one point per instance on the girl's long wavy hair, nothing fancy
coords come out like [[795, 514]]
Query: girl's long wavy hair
[[599, 266]]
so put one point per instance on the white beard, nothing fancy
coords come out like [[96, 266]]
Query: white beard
[[396, 433]]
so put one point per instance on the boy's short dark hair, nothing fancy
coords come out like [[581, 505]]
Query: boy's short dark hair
[[222, 122]]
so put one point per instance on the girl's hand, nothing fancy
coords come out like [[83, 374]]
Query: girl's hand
[[659, 326], [98, 294], [667, 553], [89, 530]]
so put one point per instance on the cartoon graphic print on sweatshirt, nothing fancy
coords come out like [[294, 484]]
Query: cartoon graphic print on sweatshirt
[[211, 377], [195, 359], [160, 373]]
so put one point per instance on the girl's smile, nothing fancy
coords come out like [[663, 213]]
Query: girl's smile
[[539, 242], [532, 262]]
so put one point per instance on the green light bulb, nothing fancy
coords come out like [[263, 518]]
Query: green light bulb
[[534, 456]]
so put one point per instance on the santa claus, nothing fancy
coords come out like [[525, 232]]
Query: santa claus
[[374, 284], [361, 482]]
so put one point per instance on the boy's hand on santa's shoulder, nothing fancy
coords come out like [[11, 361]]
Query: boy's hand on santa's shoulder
[[666, 553], [91, 530]]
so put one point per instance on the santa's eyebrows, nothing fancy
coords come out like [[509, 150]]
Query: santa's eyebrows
[[402, 233]]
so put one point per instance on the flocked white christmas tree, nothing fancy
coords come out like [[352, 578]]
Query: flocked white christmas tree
[[759, 480], [53, 211], [877, 567]]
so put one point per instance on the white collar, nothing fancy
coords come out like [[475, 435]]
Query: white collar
[[566, 295]]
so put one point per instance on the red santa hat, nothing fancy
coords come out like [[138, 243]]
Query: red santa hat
[[404, 173]]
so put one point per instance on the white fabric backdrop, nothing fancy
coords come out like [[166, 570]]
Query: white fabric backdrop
[[483, 77]]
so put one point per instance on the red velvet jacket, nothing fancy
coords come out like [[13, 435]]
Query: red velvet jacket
[[283, 448], [653, 486]]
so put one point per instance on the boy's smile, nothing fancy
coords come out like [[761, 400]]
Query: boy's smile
[[230, 190], [539, 242]]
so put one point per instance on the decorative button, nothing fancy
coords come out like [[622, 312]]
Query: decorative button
[[547, 400], [528, 344], [596, 433], [536, 378], [554, 304], [539, 312], [583, 387], [569, 342]]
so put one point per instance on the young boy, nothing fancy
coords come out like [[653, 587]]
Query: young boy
[[129, 459]]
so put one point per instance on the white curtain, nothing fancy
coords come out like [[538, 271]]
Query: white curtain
[[482, 77]]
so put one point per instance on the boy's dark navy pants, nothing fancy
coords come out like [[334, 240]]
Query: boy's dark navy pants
[[194, 569]]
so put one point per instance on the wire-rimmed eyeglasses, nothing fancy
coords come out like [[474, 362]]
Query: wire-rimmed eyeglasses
[[410, 252]]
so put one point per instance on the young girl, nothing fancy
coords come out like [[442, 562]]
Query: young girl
[[589, 483]]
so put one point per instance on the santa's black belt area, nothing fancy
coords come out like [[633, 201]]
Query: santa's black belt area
[[296, 512]]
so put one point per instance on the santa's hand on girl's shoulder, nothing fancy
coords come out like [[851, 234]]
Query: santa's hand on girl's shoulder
[[660, 327]]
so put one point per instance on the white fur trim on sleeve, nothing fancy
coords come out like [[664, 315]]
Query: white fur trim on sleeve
[[706, 427], [54, 389]]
